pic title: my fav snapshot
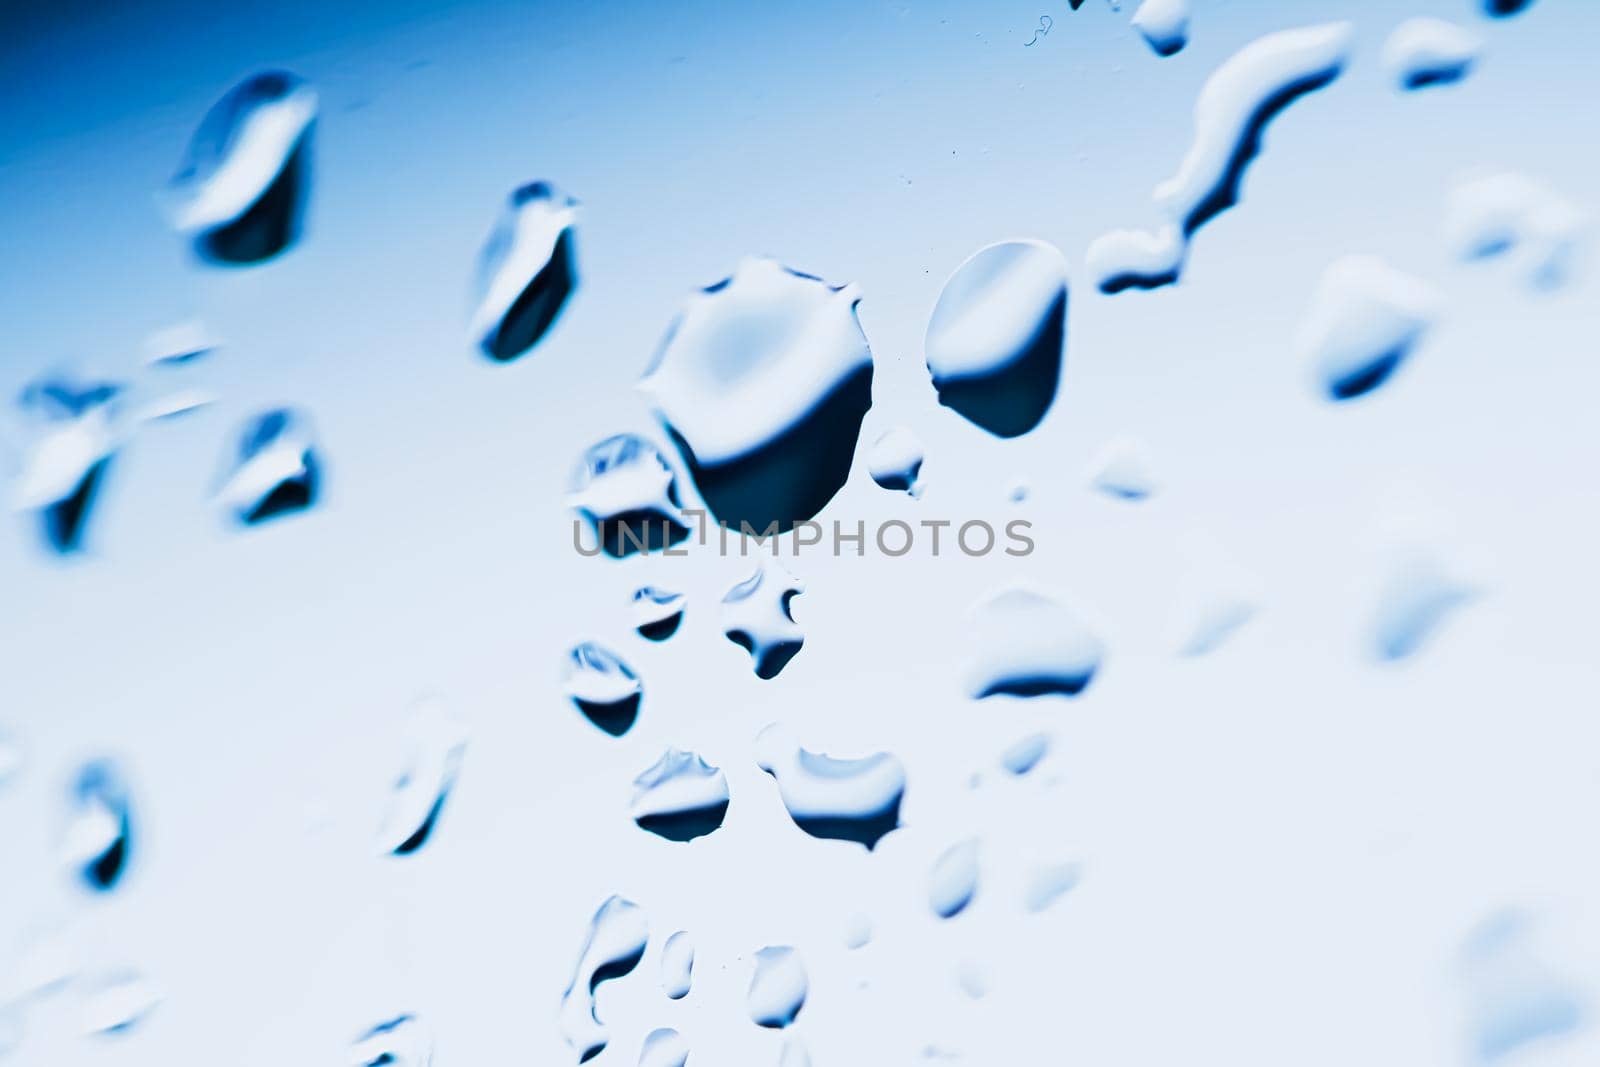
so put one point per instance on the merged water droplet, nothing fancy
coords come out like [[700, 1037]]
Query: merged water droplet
[[603, 687], [98, 842], [1514, 996], [895, 461], [239, 193], [1024, 755], [953, 882], [778, 987], [614, 945], [677, 965], [762, 381], [1364, 320], [1122, 469], [997, 337], [73, 432], [1519, 217], [680, 797], [117, 1002], [1164, 24], [402, 1041], [657, 613], [1427, 51], [794, 1053], [1049, 883], [627, 494], [437, 741], [1421, 590], [526, 271], [757, 618], [274, 468], [664, 1047], [1028, 645], [839, 799]]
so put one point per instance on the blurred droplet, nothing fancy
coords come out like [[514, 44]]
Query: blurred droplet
[[1025, 754], [273, 469], [954, 879], [1505, 8], [437, 741], [839, 799], [1515, 996], [173, 404], [1164, 25], [778, 987], [115, 1003], [98, 842], [1518, 217], [757, 618], [657, 613], [680, 797], [1122, 469], [857, 931], [1213, 620], [603, 687], [402, 1041], [1028, 645], [627, 494], [1048, 883], [614, 945], [677, 965], [973, 979], [664, 1048], [182, 342], [895, 461], [526, 271], [1364, 320], [1421, 590], [1423, 51], [73, 431]]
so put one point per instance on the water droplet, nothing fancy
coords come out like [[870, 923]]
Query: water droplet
[[895, 461], [627, 494], [1215, 619], [838, 799], [274, 469], [1422, 589], [402, 1041], [1519, 217], [664, 1047], [973, 979], [1364, 320], [1029, 645], [1514, 996], [73, 433], [857, 931], [526, 271], [1017, 491], [437, 741], [115, 1003], [614, 945], [1024, 755], [778, 987], [657, 614], [756, 617], [997, 337], [954, 879], [1122, 469], [677, 965], [763, 381], [99, 836], [603, 687], [1048, 883], [183, 342], [680, 796], [1427, 51], [239, 193], [1164, 24]]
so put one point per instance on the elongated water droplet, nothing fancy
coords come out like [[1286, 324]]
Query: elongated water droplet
[[1122, 469], [756, 617], [1427, 51], [526, 271], [857, 931], [664, 1047], [1421, 590], [627, 494], [1025, 754], [1519, 217], [240, 191], [677, 965], [73, 433], [182, 342], [117, 1002], [1515, 997], [778, 987], [273, 469], [1136, 259], [1029, 645], [657, 613], [763, 381], [99, 837], [614, 945], [402, 1041], [1164, 24], [1364, 320], [437, 741], [997, 337], [603, 687], [895, 461], [839, 799], [1048, 883], [680, 797], [954, 879]]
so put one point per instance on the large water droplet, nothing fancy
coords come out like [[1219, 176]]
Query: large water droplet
[[1516, 216], [526, 271], [1364, 320], [657, 613], [274, 469], [614, 945], [1024, 755], [677, 965], [437, 742], [239, 193], [680, 797], [627, 494], [1427, 51], [839, 799], [73, 433], [953, 882], [1028, 645], [1514, 996], [1422, 589], [895, 461], [778, 987], [603, 687], [997, 336], [1164, 24], [99, 836], [1122, 469], [757, 618], [116, 1002], [763, 381], [402, 1041], [1048, 883]]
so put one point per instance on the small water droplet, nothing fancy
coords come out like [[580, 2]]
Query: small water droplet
[[857, 931], [402, 1041], [756, 616], [1017, 490], [895, 461], [614, 945], [1214, 619], [98, 842], [117, 1002], [1029, 645], [603, 687], [657, 613], [1364, 320], [1122, 469], [838, 799], [1025, 754], [973, 979], [437, 741], [73, 432], [997, 336], [677, 965], [1422, 589], [664, 1047], [953, 882], [680, 797], [627, 494], [1427, 51], [526, 271], [274, 468], [1164, 24], [778, 987], [240, 191], [1515, 997], [1048, 883], [1518, 217]]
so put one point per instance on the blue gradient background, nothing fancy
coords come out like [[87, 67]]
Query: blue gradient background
[[1284, 844]]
